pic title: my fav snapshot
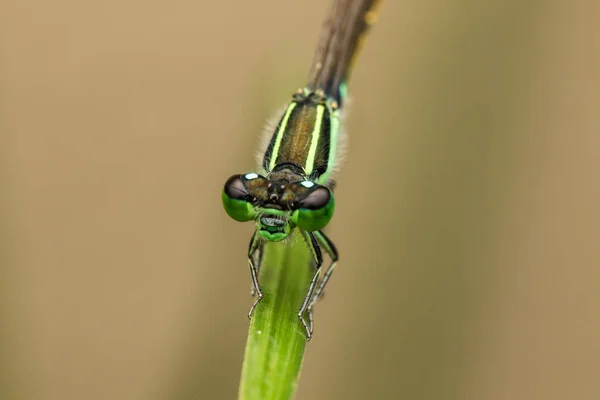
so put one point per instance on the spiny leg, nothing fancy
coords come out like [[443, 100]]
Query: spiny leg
[[329, 247], [257, 264], [255, 244], [313, 245]]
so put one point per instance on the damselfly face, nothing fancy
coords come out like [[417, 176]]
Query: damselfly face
[[277, 205]]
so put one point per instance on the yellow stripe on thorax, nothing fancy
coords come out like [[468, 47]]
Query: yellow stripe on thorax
[[280, 133], [314, 140]]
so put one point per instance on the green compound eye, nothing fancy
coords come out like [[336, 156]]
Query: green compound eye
[[315, 210], [236, 199]]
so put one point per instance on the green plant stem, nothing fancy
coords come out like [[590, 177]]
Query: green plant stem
[[276, 338]]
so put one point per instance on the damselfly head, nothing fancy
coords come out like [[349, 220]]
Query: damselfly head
[[277, 206]]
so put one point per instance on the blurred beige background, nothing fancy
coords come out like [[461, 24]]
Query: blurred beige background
[[467, 216]]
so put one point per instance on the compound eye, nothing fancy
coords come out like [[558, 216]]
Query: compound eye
[[317, 199], [315, 210], [235, 188], [236, 199]]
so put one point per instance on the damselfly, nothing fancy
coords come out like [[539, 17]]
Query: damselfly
[[294, 187]]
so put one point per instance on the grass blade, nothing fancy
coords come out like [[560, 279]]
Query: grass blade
[[276, 338]]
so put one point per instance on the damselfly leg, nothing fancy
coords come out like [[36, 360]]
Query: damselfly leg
[[330, 249], [257, 263], [316, 241], [313, 245], [256, 244]]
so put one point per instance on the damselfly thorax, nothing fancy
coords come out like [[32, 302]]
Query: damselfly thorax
[[306, 138]]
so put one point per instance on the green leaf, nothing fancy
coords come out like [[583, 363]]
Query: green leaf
[[276, 338]]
